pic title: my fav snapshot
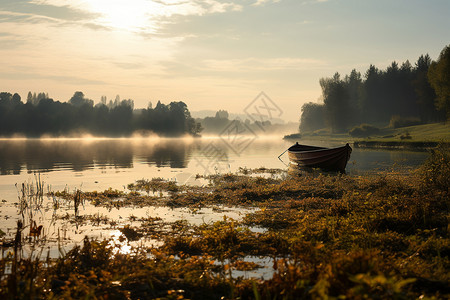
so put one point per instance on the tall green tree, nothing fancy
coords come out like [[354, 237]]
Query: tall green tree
[[424, 91], [337, 108], [313, 117], [439, 77], [78, 99], [120, 121], [354, 86], [372, 93], [30, 97]]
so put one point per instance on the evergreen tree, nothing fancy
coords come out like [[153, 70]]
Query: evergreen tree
[[439, 77], [337, 107], [312, 118]]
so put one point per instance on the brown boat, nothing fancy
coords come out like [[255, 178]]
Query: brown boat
[[331, 159]]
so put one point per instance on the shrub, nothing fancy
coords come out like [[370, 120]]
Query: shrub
[[406, 136], [364, 130], [398, 122], [435, 172]]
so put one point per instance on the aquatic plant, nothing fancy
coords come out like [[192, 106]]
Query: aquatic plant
[[327, 236], [155, 185], [30, 196]]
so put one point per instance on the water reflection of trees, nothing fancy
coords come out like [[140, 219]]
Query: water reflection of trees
[[200, 155], [80, 155], [172, 154]]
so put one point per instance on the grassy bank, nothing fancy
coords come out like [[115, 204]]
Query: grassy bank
[[332, 236], [422, 136]]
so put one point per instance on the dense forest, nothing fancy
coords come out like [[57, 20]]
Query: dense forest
[[401, 94], [42, 115]]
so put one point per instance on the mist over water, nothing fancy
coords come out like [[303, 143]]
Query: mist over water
[[100, 163], [19, 156]]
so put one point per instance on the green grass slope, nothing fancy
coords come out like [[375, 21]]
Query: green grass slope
[[427, 133]]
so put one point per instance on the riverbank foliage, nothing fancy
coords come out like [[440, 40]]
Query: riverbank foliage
[[330, 236]]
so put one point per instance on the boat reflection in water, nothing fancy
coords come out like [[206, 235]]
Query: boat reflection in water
[[328, 159]]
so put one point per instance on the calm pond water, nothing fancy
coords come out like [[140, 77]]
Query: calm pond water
[[98, 164]]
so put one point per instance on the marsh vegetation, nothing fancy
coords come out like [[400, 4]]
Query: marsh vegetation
[[319, 235]]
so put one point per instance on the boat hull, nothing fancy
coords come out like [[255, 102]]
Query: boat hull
[[331, 159]]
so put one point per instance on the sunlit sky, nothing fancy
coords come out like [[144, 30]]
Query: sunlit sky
[[211, 54]]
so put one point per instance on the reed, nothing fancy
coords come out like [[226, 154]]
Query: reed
[[31, 195], [77, 200]]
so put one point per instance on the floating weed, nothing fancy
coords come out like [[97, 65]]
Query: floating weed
[[242, 265], [155, 185], [130, 233]]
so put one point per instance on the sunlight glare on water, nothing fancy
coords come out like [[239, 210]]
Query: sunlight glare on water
[[93, 163]]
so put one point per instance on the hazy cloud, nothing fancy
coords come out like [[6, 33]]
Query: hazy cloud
[[16, 17], [262, 2], [94, 26], [252, 66], [258, 64], [62, 79], [133, 15], [128, 65], [10, 41], [41, 9]]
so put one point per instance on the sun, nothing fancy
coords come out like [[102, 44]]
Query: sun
[[135, 15], [139, 15]]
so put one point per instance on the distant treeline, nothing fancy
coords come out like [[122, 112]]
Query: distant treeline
[[41, 115], [419, 93], [221, 124]]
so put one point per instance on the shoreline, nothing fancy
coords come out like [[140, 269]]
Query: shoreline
[[377, 144], [304, 227], [418, 137], [394, 145]]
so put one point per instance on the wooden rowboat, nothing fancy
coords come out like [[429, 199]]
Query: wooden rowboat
[[331, 159]]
